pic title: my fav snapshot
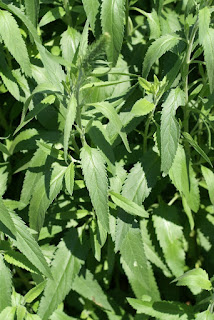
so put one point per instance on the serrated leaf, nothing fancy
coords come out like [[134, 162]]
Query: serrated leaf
[[69, 121], [8, 313], [6, 219], [13, 40], [209, 178], [69, 178], [91, 8], [32, 10], [128, 205], [96, 181], [33, 293], [110, 113], [136, 265], [150, 251], [142, 107], [4, 172], [170, 236], [183, 177], [29, 247], [43, 196], [145, 176], [157, 49], [7, 76], [194, 144], [170, 130], [204, 23], [17, 259], [69, 43], [32, 175], [72, 252], [6, 285], [161, 310], [112, 20], [196, 278], [86, 285]]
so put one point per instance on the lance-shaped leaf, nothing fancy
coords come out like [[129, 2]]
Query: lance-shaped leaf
[[162, 309], [32, 10], [13, 40], [87, 286], [29, 247], [72, 252], [110, 113], [170, 236], [94, 171], [5, 284], [137, 267], [69, 121], [5, 218], [196, 278], [69, 43], [69, 178], [44, 194], [209, 178], [128, 205], [91, 8], [8, 313], [194, 144], [112, 20], [157, 49], [170, 130], [183, 177], [33, 293]]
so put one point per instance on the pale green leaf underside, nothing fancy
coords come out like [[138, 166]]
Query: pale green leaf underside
[[91, 8], [209, 178], [95, 177], [142, 107], [69, 178]]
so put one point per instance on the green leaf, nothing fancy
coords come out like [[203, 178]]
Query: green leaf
[[209, 178], [157, 49], [72, 252], [136, 266], [33, 293], [128, 205], [112, 20], [109, 112], [21, 312], [43, 196], [32, 175], [196, 278], [32, 10], [161, 309], [52, 15], [206, 315], [69, 178], [3, 149], [6, 219], [91, 8], [18, 259], [29, 247], [96, 181], [8, 77], [194, 144], [69, 121], [69, 43], [170, 236], [170, 130], [6, 285], [13, 40], [142, 107], [86, 285], [183, 177], [150, 250], [8, 313]]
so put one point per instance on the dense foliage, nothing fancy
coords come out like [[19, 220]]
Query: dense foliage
[[106, 176]]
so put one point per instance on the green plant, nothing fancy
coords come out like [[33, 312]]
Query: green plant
[[106, 175]]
